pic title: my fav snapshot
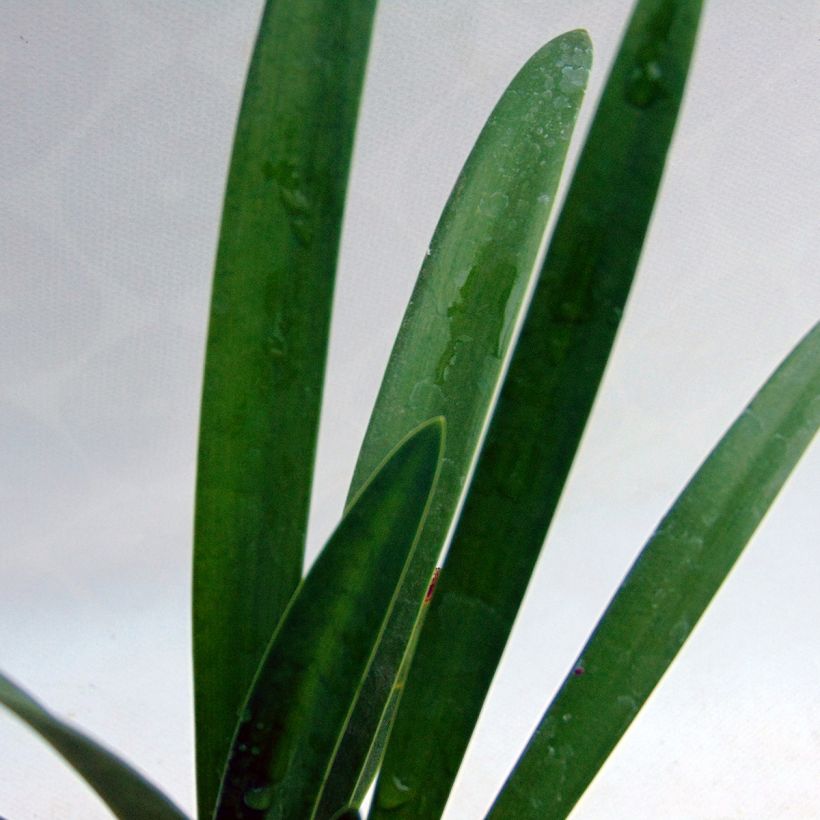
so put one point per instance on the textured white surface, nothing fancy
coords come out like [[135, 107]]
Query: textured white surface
[[115, 131]]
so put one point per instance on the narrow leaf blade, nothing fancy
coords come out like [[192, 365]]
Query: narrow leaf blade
[[267, 337], [455, 334], [457, 328], [542, 410], [667, 590], [302, 695], [350, 779], [126, 792]]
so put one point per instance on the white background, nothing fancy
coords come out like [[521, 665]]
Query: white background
[[116, 123]]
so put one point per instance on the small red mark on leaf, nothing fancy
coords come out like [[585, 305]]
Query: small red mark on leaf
[[578, 671], [432, 587]]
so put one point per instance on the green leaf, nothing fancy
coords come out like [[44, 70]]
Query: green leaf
[[542, 410], [349, 780], [128, 794], [303, 692], [455, 334], [267, 337], [667, 590], [457, 327]]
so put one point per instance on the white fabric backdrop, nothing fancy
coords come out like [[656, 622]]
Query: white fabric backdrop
[[115, 131]]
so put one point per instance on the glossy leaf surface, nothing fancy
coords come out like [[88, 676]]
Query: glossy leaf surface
[[302, 695], [267, 337], [542, 410], [456, 331], [126, 792], [667, 590]]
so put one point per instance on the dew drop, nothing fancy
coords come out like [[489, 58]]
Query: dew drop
[[347, 813], [493, 205], [645, 84], [573, 78], [259, 798], [425, 395], [680, 631], [275, 345], [394, 793]]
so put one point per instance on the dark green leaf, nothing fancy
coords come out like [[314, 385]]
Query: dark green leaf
[[128, 794], [302, 695], [542, 409], [265, 360], [667, 590], [456, 331]]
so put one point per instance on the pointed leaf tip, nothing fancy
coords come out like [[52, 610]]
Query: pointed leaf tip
[[454, 338], [542, 407], [302, 694]]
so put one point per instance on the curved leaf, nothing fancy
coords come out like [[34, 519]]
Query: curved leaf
[[667, 590], [542, 410], [455, 334], [264, 368], [303, 692], [126, 792]]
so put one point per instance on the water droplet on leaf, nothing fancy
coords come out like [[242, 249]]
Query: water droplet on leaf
[[259, 798], [394, 793], [645, 85], [347, 813]]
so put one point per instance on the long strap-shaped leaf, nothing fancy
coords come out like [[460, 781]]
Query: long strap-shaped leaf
[[128, 794], [667, 590], [266, 347], [456, 331], [542, 410], [302, 695]]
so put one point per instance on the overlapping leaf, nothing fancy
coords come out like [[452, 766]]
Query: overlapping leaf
[[264, 370], [456, 331], [302, 695], [542, 410]]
